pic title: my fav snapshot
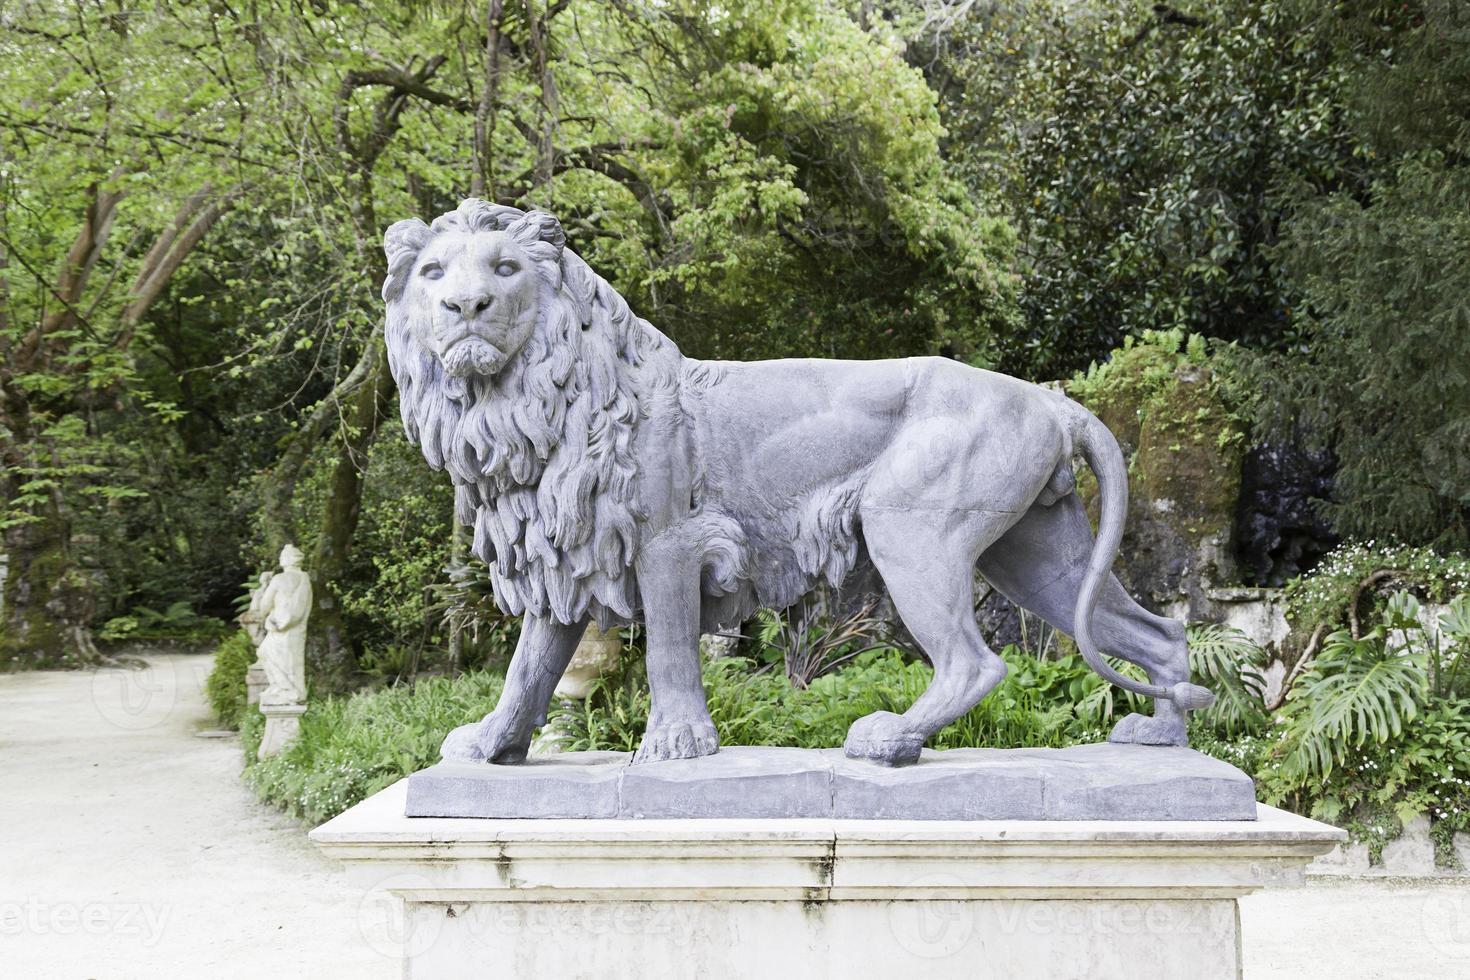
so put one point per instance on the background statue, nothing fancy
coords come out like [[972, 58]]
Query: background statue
[[606, 476], [284, 606], [253, 619]]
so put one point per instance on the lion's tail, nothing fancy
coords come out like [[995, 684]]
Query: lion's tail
[[1105, 459]]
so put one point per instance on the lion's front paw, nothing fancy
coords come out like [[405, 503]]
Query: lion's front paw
[[885, 738], [503, 741], [1139, 729], [677, 740], [462, 745], [491, 739]]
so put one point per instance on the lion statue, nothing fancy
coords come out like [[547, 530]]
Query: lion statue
[[608, 477]]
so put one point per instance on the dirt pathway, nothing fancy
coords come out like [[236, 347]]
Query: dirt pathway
[[130, 848]]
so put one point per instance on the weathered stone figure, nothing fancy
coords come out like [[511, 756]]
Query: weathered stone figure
[[608, 476], [252, 620], [284, 607]]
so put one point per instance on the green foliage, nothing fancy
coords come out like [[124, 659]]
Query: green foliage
[[1375, 730], [1040, 702], [763, 707], [1379, 373], [1382, 378], [225, 686], [1225, 660], [1354, 691], [176, 624], [808, 154], [400, 551], [352, 746], [1140, 155], [464, 601], [1136, 388], [1327, 599], [759, 179], [809, 646]]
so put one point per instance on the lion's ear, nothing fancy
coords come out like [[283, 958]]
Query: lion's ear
[[401, 244], [410, 234]]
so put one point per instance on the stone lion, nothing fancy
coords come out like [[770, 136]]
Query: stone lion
[[607, 476]]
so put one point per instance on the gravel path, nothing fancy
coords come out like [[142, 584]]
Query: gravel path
[[130, 848]]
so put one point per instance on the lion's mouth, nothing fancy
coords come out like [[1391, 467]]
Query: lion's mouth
[[469, 355]]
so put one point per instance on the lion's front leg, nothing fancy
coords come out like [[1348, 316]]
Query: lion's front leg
[[504, 735], [679, 725]]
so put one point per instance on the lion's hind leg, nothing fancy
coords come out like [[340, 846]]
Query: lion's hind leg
[[926, 561], [1039, 565]]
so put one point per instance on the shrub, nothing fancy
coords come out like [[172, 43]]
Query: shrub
[[225, 686], [1330, 598], [352, 746], [1375, 732], [178, 623], [1040, 703]]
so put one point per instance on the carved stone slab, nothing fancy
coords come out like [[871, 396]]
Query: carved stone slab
[[1086, 782]]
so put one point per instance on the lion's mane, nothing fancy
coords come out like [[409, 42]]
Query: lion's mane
[[541, 453]]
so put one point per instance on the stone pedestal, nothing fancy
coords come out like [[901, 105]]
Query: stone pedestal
[[255, 683], [282, 722], [821, 897], [1085, 782]]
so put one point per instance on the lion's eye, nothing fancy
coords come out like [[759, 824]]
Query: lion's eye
[[432, 271], [507, 268]]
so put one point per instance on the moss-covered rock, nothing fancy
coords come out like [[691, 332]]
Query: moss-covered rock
[[1184, 442]]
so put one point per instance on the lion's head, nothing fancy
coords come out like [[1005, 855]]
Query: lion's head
[[469, 288], [520, 371]]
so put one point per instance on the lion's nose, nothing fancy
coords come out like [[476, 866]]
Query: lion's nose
[[468, 306]]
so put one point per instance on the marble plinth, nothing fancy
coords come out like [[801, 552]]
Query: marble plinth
[[813, 898], [282, 723]]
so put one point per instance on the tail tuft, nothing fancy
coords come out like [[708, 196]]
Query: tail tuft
[[1191, 697]]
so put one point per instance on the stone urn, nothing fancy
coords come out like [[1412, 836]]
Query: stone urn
[[596, 656]]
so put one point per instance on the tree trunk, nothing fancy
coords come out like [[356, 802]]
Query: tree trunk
[[46, 603], [328, 647], [482, 179]]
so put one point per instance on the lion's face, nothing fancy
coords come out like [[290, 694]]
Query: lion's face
[[471, 297]]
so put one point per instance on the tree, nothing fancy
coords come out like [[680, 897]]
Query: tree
[[605, 117], [110, 183], [194, 364], [1139, 149], [1380, 375]]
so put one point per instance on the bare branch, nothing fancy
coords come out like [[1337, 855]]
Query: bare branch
[[169, 253], [80, 260]]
